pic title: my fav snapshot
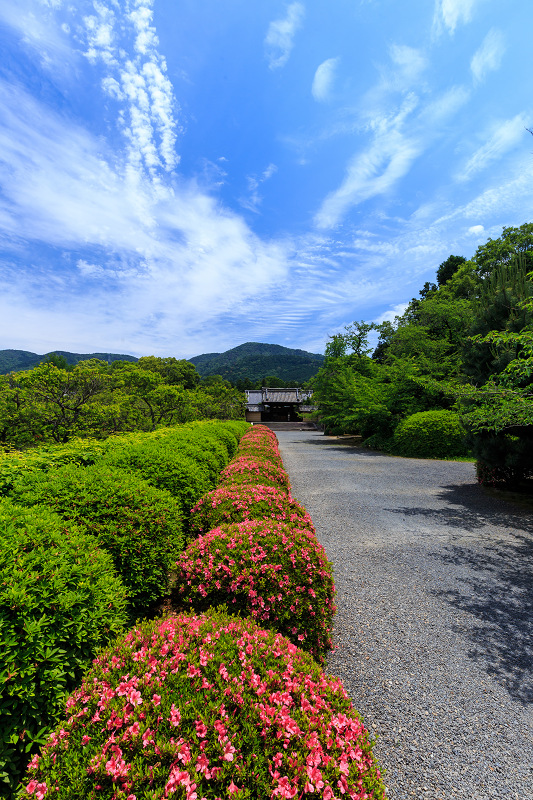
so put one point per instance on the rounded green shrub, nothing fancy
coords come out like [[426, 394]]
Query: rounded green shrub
[[276, 574], [60, 600], [246, 469], [430, 434], [240, 502], [206, 707], [166, 468], [139, 525]]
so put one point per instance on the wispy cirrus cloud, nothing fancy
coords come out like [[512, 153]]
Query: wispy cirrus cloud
[[324, 78], [489, 56], [450, 13], [505, 136], [369, 174], [253, 199], [279, 39]]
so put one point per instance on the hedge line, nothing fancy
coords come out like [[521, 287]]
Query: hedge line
[[212, 705], [115, 530]]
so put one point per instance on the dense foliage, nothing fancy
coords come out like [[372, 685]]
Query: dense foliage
[[56, 401], [141, 527], [206, 707], [466, 344], [276, 573], [60, 600]]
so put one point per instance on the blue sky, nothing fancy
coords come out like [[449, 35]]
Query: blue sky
[[182, 176]]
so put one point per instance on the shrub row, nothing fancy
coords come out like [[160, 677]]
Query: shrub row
[[124, 534], [206, 707], [257, 551], [212, 706], [60, 600]]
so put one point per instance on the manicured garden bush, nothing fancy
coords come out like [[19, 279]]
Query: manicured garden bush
[[140, 526], [239, 502], [206, 707], [60, 599], [430, 434], [166, 468], [276, 574], [246, 469]]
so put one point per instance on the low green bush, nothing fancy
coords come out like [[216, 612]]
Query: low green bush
[[246, 469], [240, 502], [276, 574], [164, 467], [206, 707], [139, 525], [60, 600], [430, 434]]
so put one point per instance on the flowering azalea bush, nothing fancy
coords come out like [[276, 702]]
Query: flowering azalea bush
[[238, 502], [277, 574], [260, 443], [247, 469], [206, 708]]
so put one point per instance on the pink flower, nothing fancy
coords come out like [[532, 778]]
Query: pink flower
[[156, 699], [228, 752], [232, 788], [201, 729], [175, 716]]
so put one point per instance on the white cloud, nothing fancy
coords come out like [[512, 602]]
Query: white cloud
[[162, 262], [253, 200], [391, 313], [324, 77], [409, 62], [138, 76], [370, 173], [504, 138], [489, 56], [450, 13], [280, 35], [476, 230]]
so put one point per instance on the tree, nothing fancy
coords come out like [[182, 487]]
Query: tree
[[176, 372], [62, 404], [448, 269]]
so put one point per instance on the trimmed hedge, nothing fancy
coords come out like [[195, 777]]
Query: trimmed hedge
[[140, 526], [245, 469], [60, 600], [239, 502], [430, 434], [276, 574], [206, 707], [164, 468]]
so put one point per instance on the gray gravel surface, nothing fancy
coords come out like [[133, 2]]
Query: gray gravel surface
[[434, 625]]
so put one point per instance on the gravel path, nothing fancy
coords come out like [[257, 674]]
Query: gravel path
[[435, 615]]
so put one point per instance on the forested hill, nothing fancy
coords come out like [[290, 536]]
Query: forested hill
[[16, 360], [255, 360]]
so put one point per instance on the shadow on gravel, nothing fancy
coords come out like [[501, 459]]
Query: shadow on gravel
[[497, 582], [469, 507], [499, 595]]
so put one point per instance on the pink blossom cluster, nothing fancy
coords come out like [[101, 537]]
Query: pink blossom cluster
[[239, 502], [277, 574], [202, 708], [247, 468]]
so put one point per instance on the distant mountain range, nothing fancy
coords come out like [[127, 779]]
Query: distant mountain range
[[253, 360], [15, 360]]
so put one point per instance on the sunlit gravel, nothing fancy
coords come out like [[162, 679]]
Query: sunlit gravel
[[434, 629]]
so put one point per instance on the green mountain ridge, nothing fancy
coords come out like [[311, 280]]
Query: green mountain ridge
[[255, 360], [251, 360], [16, 360]]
